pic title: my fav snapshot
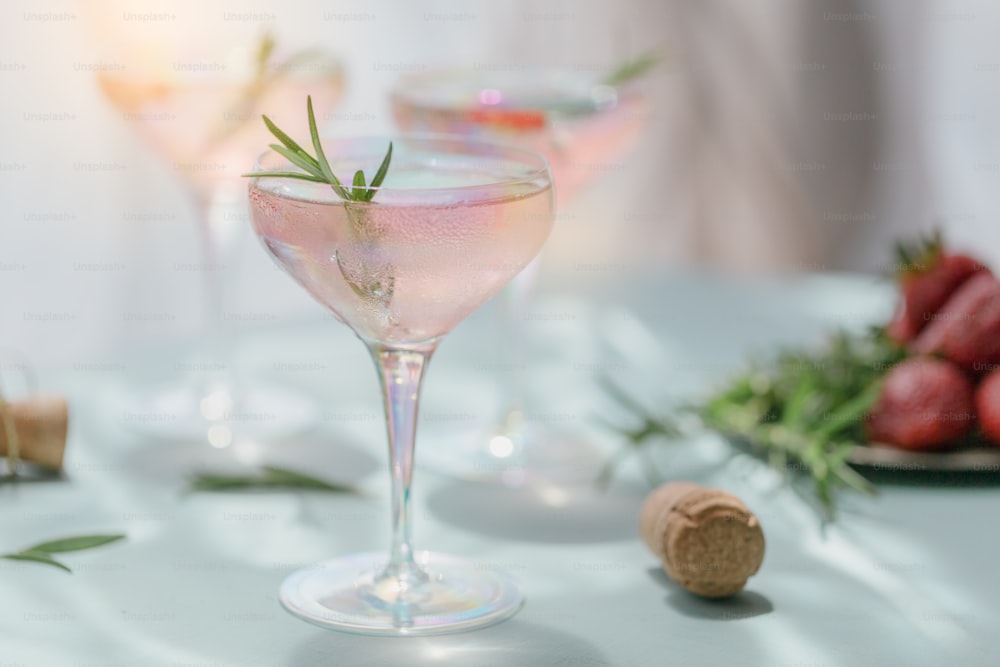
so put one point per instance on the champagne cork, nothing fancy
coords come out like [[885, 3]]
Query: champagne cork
[[41, 423], [709, 541]]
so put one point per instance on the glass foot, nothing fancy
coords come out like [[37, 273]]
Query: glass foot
[[531, 454], [446, 594], [258, 410]]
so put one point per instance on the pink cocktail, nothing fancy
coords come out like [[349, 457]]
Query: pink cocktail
[[454, 221]]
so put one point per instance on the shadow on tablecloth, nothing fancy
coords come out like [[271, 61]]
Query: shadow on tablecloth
[[323, 455], [745, 604], [513, 642], [547, 514]]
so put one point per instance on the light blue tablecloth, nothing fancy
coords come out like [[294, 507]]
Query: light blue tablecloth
[[906, 579]]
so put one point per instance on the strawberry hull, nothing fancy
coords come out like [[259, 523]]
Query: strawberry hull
[[967, 329]]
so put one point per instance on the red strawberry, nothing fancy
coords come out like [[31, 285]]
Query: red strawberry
[[925, 404], [967, 329], [928, 276], [988, 406]]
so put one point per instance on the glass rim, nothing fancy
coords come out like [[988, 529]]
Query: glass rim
[[410, 88], [540, 71], [543, 169]]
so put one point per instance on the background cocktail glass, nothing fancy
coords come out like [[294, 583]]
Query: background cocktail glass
[[206, 125], [452, 224], [581, 125]]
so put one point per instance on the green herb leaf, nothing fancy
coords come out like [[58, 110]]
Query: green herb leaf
[[41, 553], [36, 557], [379, 176], [267, 74], [318, 168], [283, 138], [805, 408], [285, 174], [264, 52], [631, 69], [850, 412], [358, 186], [75, 543], [270, 478], [324, 164], [303, 162]]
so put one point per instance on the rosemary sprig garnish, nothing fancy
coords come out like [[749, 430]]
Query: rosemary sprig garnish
[[317, 169], [374, 283], [270, 478], [631, 69], [804, 411], [42, 553]]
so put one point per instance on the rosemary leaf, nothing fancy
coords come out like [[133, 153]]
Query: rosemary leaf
[[324, 164], [282, 137], [317, 169], [286, 174], [358, 186], [75, 543], [42, 553], [804, 409], [379, 176], [270, 478], [631, 69], [303, 162], [36, 557], [264, 52]]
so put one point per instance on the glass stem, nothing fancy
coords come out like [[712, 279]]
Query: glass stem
[[400, 372], [214, 368], [516, 297], [218, 228]]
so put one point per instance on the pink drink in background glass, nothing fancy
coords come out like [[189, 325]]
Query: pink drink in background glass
[[583, 127], [206, 128]]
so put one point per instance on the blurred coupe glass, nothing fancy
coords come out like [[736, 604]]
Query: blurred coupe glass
[[202, 117], [581, 123]]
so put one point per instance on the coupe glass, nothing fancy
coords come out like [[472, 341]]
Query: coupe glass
[[583, 127], [206, 126], [454, 221]]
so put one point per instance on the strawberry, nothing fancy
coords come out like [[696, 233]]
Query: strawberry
[[924, 404], [967, 329], [988, 406], [928, 276]]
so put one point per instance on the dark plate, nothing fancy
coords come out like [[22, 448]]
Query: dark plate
[[979, 460], [977, 465]]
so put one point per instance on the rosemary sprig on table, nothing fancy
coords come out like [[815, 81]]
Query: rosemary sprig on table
[[270, 478], [42, 553], [803, 411], [317, 169]]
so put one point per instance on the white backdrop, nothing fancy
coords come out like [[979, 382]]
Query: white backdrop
[[784, 134]]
